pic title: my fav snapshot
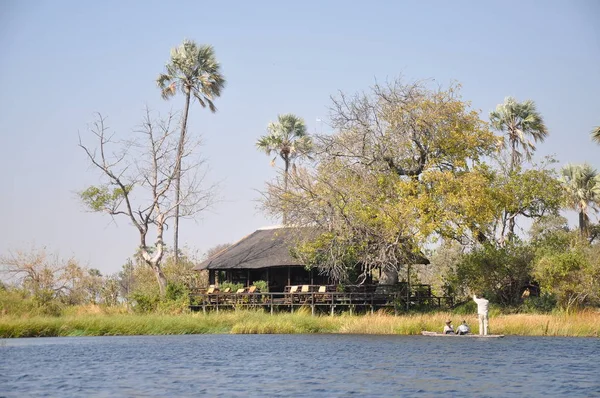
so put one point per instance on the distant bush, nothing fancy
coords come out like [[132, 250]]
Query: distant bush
[[546, 302], [176, 291], [173, 307], [232, 286], [262, 286], [470, 307], [18, 302], [144, 302]]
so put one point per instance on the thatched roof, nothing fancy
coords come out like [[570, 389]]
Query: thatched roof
[[269, 247], [264, 248]]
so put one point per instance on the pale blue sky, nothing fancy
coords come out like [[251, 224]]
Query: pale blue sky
[[61, 61]]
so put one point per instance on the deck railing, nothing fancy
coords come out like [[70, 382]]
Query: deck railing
[[318, 302]]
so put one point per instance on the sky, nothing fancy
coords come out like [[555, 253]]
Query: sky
[[62, 61]]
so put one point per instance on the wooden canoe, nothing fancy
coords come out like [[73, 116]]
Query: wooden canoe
[[436, 334]]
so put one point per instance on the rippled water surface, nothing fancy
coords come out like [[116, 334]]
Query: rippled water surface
[[298, 365]]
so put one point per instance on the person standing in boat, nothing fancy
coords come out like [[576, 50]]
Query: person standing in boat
[[448, 329], [463, 328], [482, 313]]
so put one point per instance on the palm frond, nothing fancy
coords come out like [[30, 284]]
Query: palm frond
[[519, 121], [596, 134], [195, 67], [288, 137]]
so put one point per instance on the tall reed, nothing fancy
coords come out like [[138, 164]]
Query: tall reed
[[258, 322]]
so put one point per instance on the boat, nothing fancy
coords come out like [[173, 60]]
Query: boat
[[487, 336]]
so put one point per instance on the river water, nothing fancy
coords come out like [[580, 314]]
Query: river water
[[298, 365]]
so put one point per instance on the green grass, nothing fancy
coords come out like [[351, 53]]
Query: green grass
[[250, 322]]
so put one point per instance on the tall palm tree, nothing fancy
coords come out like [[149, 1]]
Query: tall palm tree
[[582, 186], [288, 139], [596, 134], [519, 121], [195, 71]]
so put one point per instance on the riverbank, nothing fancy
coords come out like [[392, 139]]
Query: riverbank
[[585, 324]]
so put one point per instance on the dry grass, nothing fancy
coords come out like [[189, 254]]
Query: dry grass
[[96, 322]]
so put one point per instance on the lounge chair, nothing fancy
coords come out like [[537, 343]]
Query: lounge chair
[[212, 289], [322, 296], [304, 298], [290, 297]]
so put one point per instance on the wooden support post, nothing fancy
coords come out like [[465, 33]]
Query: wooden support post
[[312, 297]]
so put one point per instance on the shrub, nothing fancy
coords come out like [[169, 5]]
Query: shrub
[[144, 302], [546, 302], [175, 291], [499, 272], [232, 286], [469, 307], [262, 286]]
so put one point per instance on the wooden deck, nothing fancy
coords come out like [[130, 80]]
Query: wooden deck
[[320, 301]]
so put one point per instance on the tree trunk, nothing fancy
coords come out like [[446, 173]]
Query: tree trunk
[[178, 176], [583, 225], [511, 228], [160, 278], [285, 188], [389, 276]]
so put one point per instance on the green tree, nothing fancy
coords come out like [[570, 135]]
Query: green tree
[[194, 70], [582, 188], [500, 272], [287, 138], [569, 270], [520, 121], [532, 194], [403, 167]]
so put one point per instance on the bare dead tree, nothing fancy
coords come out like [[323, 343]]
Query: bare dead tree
[[138, 182], [44, 275]]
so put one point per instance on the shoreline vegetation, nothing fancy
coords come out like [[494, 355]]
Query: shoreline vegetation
[[582, 324]]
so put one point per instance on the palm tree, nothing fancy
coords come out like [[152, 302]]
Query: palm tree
[[596, 134], [288, 139], [519, 120], [582, 186], [195, 71]]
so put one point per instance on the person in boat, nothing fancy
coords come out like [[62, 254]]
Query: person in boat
[[463, 328], [482, 313], [448, 328]]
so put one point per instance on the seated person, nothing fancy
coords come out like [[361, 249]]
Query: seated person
[[448, 329], [463, 328]]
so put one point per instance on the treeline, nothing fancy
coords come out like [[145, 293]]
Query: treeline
[[553, 269], [37, 282]]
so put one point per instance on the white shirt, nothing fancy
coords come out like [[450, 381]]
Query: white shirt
[[463, 328], [482, 305]]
